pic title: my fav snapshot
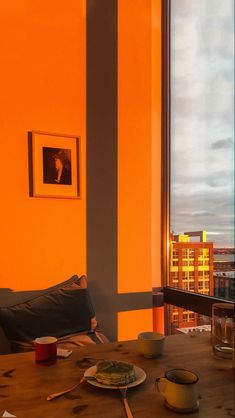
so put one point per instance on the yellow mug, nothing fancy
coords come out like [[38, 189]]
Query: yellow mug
[[179, 389]]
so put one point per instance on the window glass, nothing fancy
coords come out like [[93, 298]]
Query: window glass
[[202, 146], [184, 321]]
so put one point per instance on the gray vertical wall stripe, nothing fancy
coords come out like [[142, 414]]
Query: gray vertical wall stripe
[[102, 154], [102, 158]]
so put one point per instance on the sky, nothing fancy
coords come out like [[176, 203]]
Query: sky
[[202, 123]]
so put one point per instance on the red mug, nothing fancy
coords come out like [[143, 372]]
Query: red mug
[[45, 350]]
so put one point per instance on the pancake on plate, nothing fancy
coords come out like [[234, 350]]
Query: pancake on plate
[[114, 373]]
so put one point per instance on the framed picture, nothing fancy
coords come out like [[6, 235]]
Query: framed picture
[[54, 165]]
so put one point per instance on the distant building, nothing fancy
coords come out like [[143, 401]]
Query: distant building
[[191, 268], [199, 328], [224, 273], [224, 284], [224, 265]]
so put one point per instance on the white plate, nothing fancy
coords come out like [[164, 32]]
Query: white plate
[[139, 373]]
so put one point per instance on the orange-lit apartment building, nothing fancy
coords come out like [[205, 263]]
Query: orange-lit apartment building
[[191, 268]]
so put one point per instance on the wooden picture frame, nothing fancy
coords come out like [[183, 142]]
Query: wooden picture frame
[[54, 165]]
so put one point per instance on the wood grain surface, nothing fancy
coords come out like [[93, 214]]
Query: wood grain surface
[[24, 386]]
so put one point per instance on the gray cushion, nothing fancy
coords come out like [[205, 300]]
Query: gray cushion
[[11, 298], [61, 310]]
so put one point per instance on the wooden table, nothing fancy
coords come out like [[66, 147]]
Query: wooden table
[[23, 390]]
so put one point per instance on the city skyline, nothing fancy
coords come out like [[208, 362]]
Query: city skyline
[[202, 165]]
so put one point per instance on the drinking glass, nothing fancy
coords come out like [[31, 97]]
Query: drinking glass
[[223, 328]]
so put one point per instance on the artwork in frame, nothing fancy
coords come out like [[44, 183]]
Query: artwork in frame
[[54, 165]]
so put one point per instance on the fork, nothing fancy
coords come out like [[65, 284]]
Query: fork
[[123, 390], [63, 392]]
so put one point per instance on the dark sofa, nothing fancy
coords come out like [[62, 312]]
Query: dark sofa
[[64, 311]]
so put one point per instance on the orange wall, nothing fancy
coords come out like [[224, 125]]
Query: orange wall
[[134, 146], [156, 142], [43, 240], [132, 323], [139, 158], [139, 145]]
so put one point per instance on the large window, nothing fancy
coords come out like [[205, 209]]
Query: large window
[[199, 161]]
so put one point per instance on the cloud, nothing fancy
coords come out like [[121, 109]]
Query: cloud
[[210, 211], [193, 179], [202, 213], [196, 213], [203, 118], [217, 183], [222, 143]]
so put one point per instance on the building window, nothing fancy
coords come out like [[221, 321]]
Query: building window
[[175, 253], [191, 286], [174, 275], [185, 317], [175, 318], [200, 285], [185, 285], [191, 316], [191, 252], [206, 252], [207, 285], [185, 253]]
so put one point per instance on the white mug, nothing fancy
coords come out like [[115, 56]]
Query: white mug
[[150, 344], [179, 388]]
